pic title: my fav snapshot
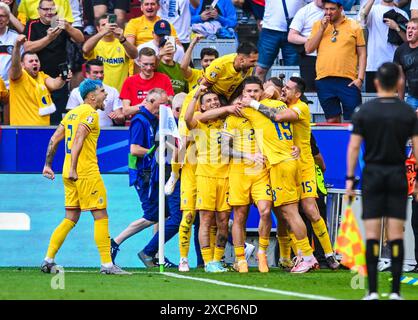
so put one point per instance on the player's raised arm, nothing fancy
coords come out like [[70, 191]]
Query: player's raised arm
[[82, 133], [191, 122], [50, 153]]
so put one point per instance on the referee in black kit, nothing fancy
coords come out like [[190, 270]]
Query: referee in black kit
[[385, 124]]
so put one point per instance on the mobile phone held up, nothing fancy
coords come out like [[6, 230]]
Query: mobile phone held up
[[172, 40], [64, 70], [112, 18], [54, 22]]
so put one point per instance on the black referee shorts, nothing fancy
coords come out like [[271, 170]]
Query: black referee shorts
[[384, 191]]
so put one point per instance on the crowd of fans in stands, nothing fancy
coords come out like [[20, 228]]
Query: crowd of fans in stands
[[60, 42]]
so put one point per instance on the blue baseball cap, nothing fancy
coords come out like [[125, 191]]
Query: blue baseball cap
[[162, 28], [340, 2]]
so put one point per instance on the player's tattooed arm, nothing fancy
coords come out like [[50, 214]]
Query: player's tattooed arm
[[270, 113], [58, 135], [227, 149], [53, 145], [277, 115]]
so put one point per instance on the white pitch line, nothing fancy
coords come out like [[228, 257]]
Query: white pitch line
[[227, 284]]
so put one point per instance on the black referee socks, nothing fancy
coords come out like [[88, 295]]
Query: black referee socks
[[372, 257], [397, 255]]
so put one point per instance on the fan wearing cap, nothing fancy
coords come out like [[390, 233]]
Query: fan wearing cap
[[161, 32]]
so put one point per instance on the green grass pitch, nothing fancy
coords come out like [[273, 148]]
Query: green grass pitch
[[149, 284]]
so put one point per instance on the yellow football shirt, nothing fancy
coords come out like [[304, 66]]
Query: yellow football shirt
[[28, 9], [194, 77], [302, 132], [87, 161], [141, 28], [115, 62], [243, 134], [223, 76], [210, 163], [24, 100], [275, 139]]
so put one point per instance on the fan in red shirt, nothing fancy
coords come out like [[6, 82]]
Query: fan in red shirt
[[136, 87]]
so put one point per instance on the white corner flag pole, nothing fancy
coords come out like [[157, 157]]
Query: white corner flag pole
[[167, 127], [161, 195]]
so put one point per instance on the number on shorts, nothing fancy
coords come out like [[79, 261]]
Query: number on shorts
[[306, 187]]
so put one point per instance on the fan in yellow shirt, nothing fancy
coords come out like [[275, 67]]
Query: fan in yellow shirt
[[211, 173], [28, 10], [83, 185], [298, 114], [30, 98], [276, 143], [112, 48], [226, 73], [139, 30]]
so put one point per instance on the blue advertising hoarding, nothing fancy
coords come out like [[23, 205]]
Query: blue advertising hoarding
[[22, 150]]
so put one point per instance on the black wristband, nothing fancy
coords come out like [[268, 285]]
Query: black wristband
[[350, 178], [123, 41]]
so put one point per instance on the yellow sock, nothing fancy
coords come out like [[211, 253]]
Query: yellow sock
[[58, 237], [263, 243], [212, 239], [284, 247], [185, 231], [321, 232], [206, 255], [239, 252], [102, 238], [219, 253], [304, 246], [175, 168], [293, 242]]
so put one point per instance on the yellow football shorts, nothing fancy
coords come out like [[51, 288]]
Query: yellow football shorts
[[188, 187], [85, 193], [308, 187], [245, 189], [285, 182], [212, 194]]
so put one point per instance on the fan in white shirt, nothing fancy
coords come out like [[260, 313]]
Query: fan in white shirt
[[177, 12], [113, 105]]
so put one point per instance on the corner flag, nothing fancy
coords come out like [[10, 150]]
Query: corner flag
[[168, 125], [350, 244]]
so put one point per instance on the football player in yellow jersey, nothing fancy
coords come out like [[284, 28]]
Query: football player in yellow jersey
[[207, 55], [298, 114], [225, 74], [276, 141], [248, 182], [83, 185], [211, 173]]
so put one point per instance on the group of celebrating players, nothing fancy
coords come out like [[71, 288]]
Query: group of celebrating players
[[252, 146], [244, 142]]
